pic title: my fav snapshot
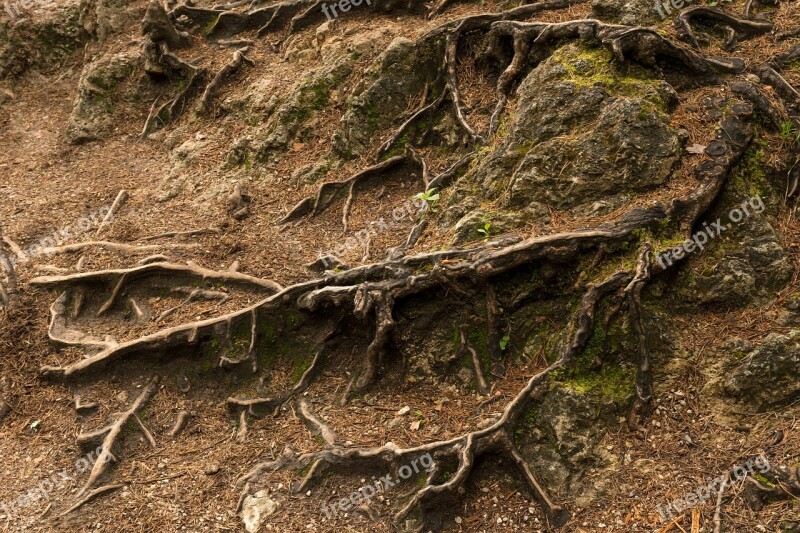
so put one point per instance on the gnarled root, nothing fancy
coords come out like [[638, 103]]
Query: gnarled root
[[328, 191], [110, 433], [739, 28], [226, 72]]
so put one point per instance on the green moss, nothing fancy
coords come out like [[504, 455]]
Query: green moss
[[593, 66], [750, 176], [615, 383], [300, 365]]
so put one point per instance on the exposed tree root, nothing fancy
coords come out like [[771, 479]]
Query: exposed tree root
[[110, 433], [774, 111], [175, 68], [784, 483], [376, 287], [772, 78], [426, 112], [172, 271], [83, 408], [126, 249], [465, 348], [740, 28], [496, 439], [450, 58], [119, 201], [180, 423], [644, 380], [315, 425], [193, 295], [157, 26], [180, 234], [226, 72], [90, 496], [718, 507], [328, 191]]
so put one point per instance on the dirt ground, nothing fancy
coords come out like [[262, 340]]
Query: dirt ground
[[189, 483]]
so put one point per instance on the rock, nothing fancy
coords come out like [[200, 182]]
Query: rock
[[327, 262], [211, 469], [104, 18], [98, 92], [5, 96], [50, 34], [744, 265], [396, 421], [768, 376], [562, 443], [291, 120], [255, 509], [473, 225], [582, 132], [387, 85], [631, 12]]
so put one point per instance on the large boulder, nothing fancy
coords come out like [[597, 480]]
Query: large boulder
[[582, 132], [99, 90], [292, 117], [41, 39], [768, 375], [397, 75], [744, 266]]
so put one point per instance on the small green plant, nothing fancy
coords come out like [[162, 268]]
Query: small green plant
[[789, 133], [504, 342], [431, 197], [486, 230]]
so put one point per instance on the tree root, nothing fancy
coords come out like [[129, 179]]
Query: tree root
[[181, 234], [315, 425], [119, 201], [328, 191], [480, 380], [226, 72], [380, 285], [90, 496], [158, 27], [161, 270], [644, 379], [180, 423], [109, 435], [740, 28], [774, 111], [464, 449], [126, 249], [784, 483], [772, 78], [193, 294]]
